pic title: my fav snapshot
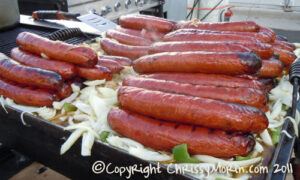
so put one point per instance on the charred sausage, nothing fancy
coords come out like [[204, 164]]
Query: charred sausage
[[243, 26], [94, 73], [30, 76], [192, 110], [26, 95], [151, 35], [128, 39], [245, 96], [204, 62], [286, 57], [185, 46], [203, 36], [164, 136], [66, 70], [271, 68], [114, 48], [259, 36], [121, 60], [113, 66], [79, 55], [207, 80], [145, 22]]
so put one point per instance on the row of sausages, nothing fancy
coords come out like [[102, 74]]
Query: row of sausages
[[202, 84], [198, 36], [30, 79]]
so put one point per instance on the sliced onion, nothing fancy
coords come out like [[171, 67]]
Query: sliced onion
[[146, 154], [95, 82], [71, 140], [87, 143]]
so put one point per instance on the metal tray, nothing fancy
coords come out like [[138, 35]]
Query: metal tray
[[41, 140]]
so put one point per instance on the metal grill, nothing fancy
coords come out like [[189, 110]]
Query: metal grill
[[8, 38]]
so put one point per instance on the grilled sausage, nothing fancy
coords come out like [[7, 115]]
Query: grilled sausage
[[259, 36], [66, 70], [140, 22], [121, 60], [192, 110], [113, 66], [114, 48], [203, 36], [79, 55], [271, 68], [151, 35], [207, 80], [264, 50], [128, 39], [286, 57], [245, 96], [26, 95], [204, 62], [284, 45], [30, 76], [269, 32], [65, 91], [164, 136], [268, 83], [94, 73], [185, 46], [243, 26]]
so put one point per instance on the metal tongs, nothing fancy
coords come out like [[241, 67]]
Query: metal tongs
[[294, 77], [287, 144]]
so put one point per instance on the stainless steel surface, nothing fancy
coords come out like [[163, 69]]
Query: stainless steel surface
[[97, 22], [105, 10], [111, 9], [59, 24], [9, 13], [117, 5]]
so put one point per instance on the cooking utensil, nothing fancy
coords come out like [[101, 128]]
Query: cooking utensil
[[93, 20]]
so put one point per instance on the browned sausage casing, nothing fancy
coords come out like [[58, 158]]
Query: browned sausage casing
[[271, 68], [66, 70], [268, 83], [286, 57], [114, 48], [245, 96], [121, 60], [65, 91], [259, 36], [26, 95], [94, 73], [140, 22], [207, 79], [264, 50], [243, 26], [164, 136], [128, 39], [30, 76], [284, 45], [204, 62], [113, 66], [79, 55], [193, 110], [204, 36], [269, 32], [151, 35], [185, 46]]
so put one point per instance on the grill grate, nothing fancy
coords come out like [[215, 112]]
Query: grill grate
[[8, 38]]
